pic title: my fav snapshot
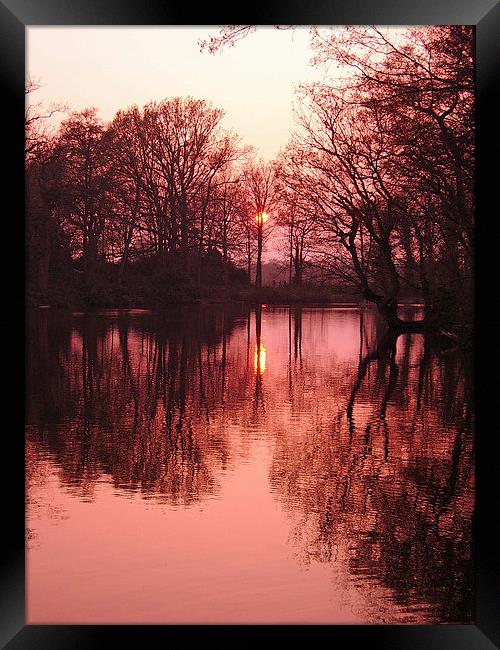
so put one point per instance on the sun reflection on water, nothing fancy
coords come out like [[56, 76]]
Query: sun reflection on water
[[259, 359]]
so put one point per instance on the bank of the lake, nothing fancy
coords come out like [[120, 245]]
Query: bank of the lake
[[159, 288]]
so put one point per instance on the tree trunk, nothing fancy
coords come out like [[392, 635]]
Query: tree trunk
[[90, 256], [298, 265], [258, 272], [44, 253], [249, 260]]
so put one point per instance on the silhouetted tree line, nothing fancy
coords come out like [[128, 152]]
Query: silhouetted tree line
[[158, 190], [375, 190], [379, 178], [378, 181]]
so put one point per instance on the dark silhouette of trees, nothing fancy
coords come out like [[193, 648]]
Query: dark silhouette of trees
[[390, 160], [262, 196], [160, 183], [385, 152], [297, 215], [84, 145], [46, 248], [229, 228], [375, 189], [133, 200], [188, 149]]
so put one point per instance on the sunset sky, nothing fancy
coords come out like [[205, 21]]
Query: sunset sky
[[112, 68]]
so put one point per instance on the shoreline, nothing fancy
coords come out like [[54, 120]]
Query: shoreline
[[349, 302]]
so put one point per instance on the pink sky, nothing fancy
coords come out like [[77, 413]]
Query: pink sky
[[114, 67]]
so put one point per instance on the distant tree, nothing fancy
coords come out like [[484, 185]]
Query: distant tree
[[130, 190], [43, 174], [260, 181], [248, 227], [228, 213], [188, 147], [84, 143], [297, 213]]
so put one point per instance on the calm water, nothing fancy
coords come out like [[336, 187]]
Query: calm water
[[251, 466]]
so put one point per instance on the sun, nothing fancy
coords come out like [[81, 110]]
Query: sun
[[262, 217]]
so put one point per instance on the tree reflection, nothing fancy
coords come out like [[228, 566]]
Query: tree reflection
[[371, 446], [135, 399], [259, 362], [393, 486]]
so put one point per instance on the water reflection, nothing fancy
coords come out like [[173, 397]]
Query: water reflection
[[366, 439], [132, 398], [259, 362], [396, 484]]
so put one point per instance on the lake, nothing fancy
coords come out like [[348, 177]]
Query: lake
[[246, 465]]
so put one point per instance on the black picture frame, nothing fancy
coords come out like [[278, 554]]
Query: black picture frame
[[15, 16]]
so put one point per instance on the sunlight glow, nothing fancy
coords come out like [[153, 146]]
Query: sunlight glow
[[261, 217], [259, 360]]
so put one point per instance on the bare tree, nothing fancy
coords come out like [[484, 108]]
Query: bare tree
[[297, 213], [229, 35], [418, 86], [262, 195], [388, 161], [43, 169], [186, 136], [87, 178]]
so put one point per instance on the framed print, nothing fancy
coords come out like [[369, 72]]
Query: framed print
[[251, 310]]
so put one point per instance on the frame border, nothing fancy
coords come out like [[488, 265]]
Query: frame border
[[15, 16]]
